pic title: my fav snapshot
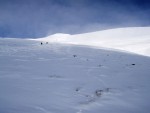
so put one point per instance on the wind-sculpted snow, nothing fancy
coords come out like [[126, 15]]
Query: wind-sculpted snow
[[63, 78], [136, 40]]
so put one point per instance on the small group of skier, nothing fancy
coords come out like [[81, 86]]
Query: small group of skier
[[42, 43]]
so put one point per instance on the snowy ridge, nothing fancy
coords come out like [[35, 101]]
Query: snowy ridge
[[134, 39]]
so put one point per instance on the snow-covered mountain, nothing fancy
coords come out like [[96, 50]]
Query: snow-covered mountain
[[134, 39], [76, 74]]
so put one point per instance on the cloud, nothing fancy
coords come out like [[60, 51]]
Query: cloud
[[38, 18]]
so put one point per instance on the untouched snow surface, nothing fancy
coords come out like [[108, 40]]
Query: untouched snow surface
[[63, 78], [134, 39]]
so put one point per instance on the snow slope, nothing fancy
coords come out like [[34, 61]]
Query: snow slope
[[134, 39], [65, 78]]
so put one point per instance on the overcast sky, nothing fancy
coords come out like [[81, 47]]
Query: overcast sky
[[39, 18]]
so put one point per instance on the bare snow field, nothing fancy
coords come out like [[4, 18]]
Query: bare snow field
[[134, 39], [71, 76]]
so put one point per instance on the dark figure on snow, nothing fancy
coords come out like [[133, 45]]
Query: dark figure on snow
[[41, 43], [74, 55]]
